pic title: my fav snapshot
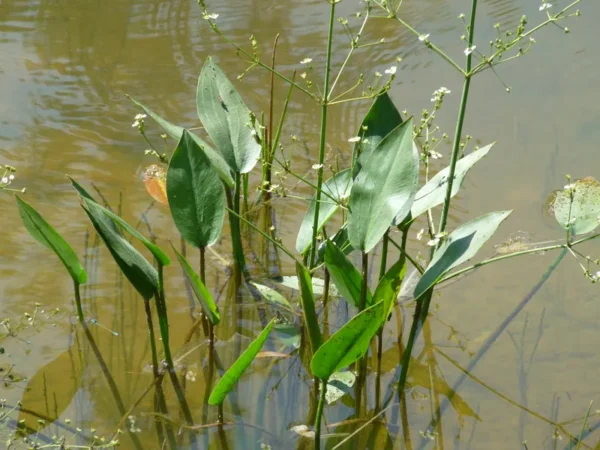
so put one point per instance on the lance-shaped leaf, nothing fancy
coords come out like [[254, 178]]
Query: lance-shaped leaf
[[578, 206], [462, 244], [175, 132], [43, 232], [346, 277], [380, 120], [200, 291], [308, 307], [226, 119], [235, 372], [340, 240], [140, 273], [335, 191], [349, 343], [384, 188], [195, 194], [389, 286], [434, 191]]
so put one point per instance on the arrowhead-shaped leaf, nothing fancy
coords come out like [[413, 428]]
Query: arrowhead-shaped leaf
[[384, 188], [195, 194], [226, 119], [462, 244]]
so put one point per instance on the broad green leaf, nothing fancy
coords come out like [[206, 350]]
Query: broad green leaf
[[335, 191], [384, 188], [140, 273], [339, 384], [209, 307], [226, 119], [308, 306], [175, 132], [434, 191], [579, 204], [380, 120], [156, 251], [318, 285], [461, 245], [349, 343], [272, 296], [196, 196], [43, 232], [346, 277], [389, 286], [235, 372], [340, 240]]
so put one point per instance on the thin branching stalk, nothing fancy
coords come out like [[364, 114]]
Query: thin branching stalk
[[323, 135]]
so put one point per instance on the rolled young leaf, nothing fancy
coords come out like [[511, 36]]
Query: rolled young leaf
[[308, 306], [346, 277], [195, 194], [226, 119], [43, 232], [200, 291], [335, 191], [235, 372], [349, 343], [462, 244], [384, 188]]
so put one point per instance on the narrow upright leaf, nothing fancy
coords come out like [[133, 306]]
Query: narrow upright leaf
[[308, 306], [462, 244], [389, 286], [380, 120], [384, 188], [349, 343], [226, 119], [175, 132], [200, 291], [346, 277], [196, 195], [43, 232], [235, 372], [434, 191], [335, 191]]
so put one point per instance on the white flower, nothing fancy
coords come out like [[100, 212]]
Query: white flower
[[140, 116], [391, 70], [423, 37], [190, 376], [306, 61], [5, 180], [354, 139], [439, 94], [596, 276], [136, 124], [420, 234], [435, 155], [545, 5], [317, 166], [569, 186], [11, 177], [207, 16], [433, 242], [470, 50], [303, 75]]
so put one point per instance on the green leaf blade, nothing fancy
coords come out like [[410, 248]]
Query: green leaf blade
[[389, 286], [235, 372], [46, 235], [226, 118], [196, 196], [462, 244], [346, 277], [308, 307], [384, 188], [578, 207]]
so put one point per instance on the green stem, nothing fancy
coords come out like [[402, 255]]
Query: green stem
[[365, 280], [76, 286], [233, 203], [323, 133], [320, 414], [459, 123]]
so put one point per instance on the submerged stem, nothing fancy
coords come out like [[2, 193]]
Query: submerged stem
[[320, 414], [80, 317]]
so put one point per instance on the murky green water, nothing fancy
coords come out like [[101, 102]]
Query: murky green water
[[65, 67]]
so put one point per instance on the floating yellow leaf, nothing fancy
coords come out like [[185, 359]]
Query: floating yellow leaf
[[155, 180]]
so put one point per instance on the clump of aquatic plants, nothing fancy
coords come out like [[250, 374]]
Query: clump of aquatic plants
[[387, 187]]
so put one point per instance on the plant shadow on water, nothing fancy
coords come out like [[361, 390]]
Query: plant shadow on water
[[257, 357]]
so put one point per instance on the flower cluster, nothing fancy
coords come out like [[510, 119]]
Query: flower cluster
[[438, 95], [139, 121]]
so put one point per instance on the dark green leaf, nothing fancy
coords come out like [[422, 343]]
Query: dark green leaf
[[235, 372], [434, 192], [345, 276], [380, 120], [43, 232], [340, 240], [134, 266], [462, 244], [389, 286], [308, 306], [175, 132], [195, 194], [209, 307], [349, 343], [335, 191], [579, 205], [226, 119], [384, 188]]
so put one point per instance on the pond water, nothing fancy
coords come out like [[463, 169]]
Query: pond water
[[65, 68]]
